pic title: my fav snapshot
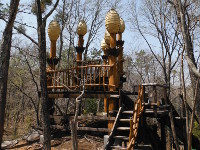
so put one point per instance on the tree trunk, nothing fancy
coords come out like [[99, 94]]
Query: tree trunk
[[43, 84], [41, 24], [181, 11], [74, 122], [4, 62]]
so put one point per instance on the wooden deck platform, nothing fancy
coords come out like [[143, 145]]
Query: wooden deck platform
[[87, 94]]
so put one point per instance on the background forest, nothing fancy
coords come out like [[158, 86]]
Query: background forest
[[161, 46]]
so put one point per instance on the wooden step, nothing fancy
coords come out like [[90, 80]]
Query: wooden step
[[114, 96], [128, 112], [158, 111], [124, 120], [101, 118], [146, 147], [121, 137], [93, 129], [118, 148], [123, 128]]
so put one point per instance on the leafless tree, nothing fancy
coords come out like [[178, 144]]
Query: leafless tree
[[160, 18], [4, 61], [41, 26]]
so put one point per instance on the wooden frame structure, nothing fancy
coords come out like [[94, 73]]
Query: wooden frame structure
[[106, 81]]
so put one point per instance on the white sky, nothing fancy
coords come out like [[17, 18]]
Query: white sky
[[130, 38]]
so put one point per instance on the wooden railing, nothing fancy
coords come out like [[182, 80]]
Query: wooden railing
[[134, 121], [114, 129], [72, 79]]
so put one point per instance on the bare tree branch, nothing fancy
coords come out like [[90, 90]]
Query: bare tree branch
[[16, 28], [51, 11], [192, 66]]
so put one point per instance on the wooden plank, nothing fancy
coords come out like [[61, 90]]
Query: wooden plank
[[76, 95], [94, 118], [118, 147], [121, 137], [158, 111], [114, 96], [93, 129], [123, 128], [156, 84], [124, 120], [128, 112]]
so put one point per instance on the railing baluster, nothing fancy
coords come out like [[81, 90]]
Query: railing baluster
[[99, 76], [90, 77], [59, 78], [73, 82], [94, 76], [63, 73], [86, 72], [66, 80], [54, 81], [68, 77]]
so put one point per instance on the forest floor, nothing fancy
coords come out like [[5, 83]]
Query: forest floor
[[85, 142]]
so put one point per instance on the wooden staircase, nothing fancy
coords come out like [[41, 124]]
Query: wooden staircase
[[124, 133]]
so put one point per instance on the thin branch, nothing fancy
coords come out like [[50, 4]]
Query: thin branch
[[31, 99], [16, 28], [51, 11], [148, 44]]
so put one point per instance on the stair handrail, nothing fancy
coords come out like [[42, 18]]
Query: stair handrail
[[134, 121], [114, 128]]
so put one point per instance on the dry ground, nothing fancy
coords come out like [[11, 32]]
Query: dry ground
[[85, 142]]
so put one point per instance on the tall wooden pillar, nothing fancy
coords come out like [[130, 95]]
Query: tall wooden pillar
[[80, 45], [120, 60], [53, 32], [112, 21], [105, 59], [105, 47], [79, 51], [112, 77], [81, 31]]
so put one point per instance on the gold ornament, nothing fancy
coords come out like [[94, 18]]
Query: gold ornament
[[82, 28], [53, 30], [112, 22], [122, 26], [104, 45], [107, 37]]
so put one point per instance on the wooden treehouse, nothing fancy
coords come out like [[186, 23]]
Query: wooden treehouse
[[126, 116]]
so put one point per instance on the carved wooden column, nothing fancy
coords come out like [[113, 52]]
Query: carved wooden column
[[105, 47], [81, 31], [120, 44], [112, 26], [53, 32]]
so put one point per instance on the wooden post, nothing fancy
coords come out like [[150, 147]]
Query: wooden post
[[120, 60], [105, 74], [50, 81], [112, 77], [163, 138], [155, 99], [105, 104], [131, 129], [80, 44], [79, 50], [53, 49]]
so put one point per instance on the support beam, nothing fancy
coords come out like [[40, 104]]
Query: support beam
[[112, 77]]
